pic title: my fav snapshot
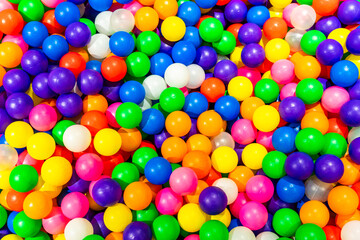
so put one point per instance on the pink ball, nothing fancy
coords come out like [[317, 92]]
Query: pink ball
[[253, 215], [110, 114], [333, 98], [288, 91], [168, 202], [92, 183], [185, 91], [260, 189], [243, 131], [192, 237], [89, 167], [55, 222], [75, 205], [6, 5], [43, 117], [283, 71], [17, 39], [252, 74], [265, 139], [52, 3], [133, 7], [240, 201], [183, 181], [287, 13]]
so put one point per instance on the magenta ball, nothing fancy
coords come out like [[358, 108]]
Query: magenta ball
[[334, 98], [43, 117], [183, 181], [89, 167], [253, 215], [75, 205], [243, 131], [240, 201], [168, 202], [251, 73], [288, 91], [260, 189], [282, 71]]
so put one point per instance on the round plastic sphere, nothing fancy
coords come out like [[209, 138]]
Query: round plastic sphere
[[310, 230], [41, 146], [34, 33], [117, 217], [273, 164], [303, 17], [253, 215], [8, 156], [311, 40], [290, 190], [55, 47], [183, 52], [56, 171], [78, 228], [299, 165], [275, 28], [17, 134], [348, 13], [285, 222], [178, 123], [11, 54], [350, 230], [292, 109], [225, 70], [74, 205], [177, 75], [213, 200], [69, 104], [235, 11], [67, 13], [98, 47], [241, 233], [309, 140], [329, 52], [189, 12], [40, 86], [343, 200], [128, 115], [146, 19], [314, 212], [173, 28], [309, 90], [195, 104], [206, 57], [293, 37], [132, 91], [228, 108], [277, 49], [282, 71], [148, 42], [137, 230], [172, 99], [350, 113], [183, 181], [16, 80], [344, 73], [253, 55], [138, 64], [354, 150], [327, 24], [126, 173], [166, 227], [249, 33], [24, 226], [77, 138], [267, 90], [224, 159], [159, 63], [334, 98], [214, 229], [158, 170], [137, 195], [19, 105], [329, 168], [154, 85], [211, 30], [78, 34], [123, 39], [102, 23], [90, 82], [122, 20], [89, 167], [34, 62], [191, 217], [252, 155], [229, 187], [106, 192], [23, 178], [61, 80], [152, 122], [43, 117], [270, 114], [258, 15], [168, 202], [259, 189]]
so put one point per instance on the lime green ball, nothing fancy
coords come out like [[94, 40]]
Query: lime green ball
[[146, 215], [311, 40], [267, 90], [40, 236], [214, 229], [310, 141], [138, 64], [285, 222], [125, 173], [274, 164], [148, 42], [182, 1], [3, 216], [142, 156], [93, 237], [172, 99], [166, 227], [23, 178], [26, 227], [226, 45], [211, 30], [310, 231], [31, 10], [59, 130], [306, 2], [309, 90], [128, 115], [334, 144], [90, 25]]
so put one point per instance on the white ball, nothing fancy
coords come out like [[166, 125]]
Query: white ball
[[145, 104], [241, 233], [77, 138], [229, 187], [154, 85], [267, 236], [197, 76], [353, 133], [293, 38], [177, 75], [77, 90], [122, 20], [219, 58], [102, 23], [303, 17], [8, 157], [222, 139], [98, 46], [78, 228], [315, 189], [351, 230]]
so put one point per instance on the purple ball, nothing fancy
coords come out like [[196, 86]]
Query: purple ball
[[327, 24], [69, 104], [299, 165], [219, 15], [349, 12], [354, 91], [19, 105], [34, 62], [61, 80], [5, 120], [213, 200], [160, 138], [353, 42], [276, 203], [249, 33], [16, 80], [166, 46], [329, 52], [354, 150], [78, 34], [253, 55], [90, 82], [111, 90], [41, 87], [193, 128], [235, 11], [138, 231], [206, 57], [292, 109], [3, 98], [76, 184], [329, 168], [225, 70], [99, 226], [350, 113], [106, 192]]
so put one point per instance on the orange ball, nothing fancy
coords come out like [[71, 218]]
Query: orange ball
[[234, 29], [315, 120], [154, 188], [10, 54], [307, 67], [95, 102], [249, 105], [83, 53], [199, 162], [137, 195], [174, 149], [199, 142], [114, 236], [212, 177], [146, 19], [210, 123], [178, 123], [332, 232], [113, 68], [343, 200], [351, 172], [314, 212], [194, 197], [11, 22], [275, 27], [131, 139], [325, 7], [341, 220], [94, 121], [92, 204], [315, 107], [166, 8], [146, 2], [37, 205], [15, 200], [74, 62], [212, 88], [51, 24], [2, 73], [241, 175]]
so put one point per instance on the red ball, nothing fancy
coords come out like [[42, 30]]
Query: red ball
[[51, 24], [212, 88], [332, 232], [74, 62], [275, 27], [337, 126], [113, 68], [94, 121]]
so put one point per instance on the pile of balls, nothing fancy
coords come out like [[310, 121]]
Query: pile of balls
[[166, 120]]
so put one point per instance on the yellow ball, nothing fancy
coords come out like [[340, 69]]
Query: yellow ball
[[224, 159], [224, 217], [41, 146], [280, 3], [11, 237], [56, 171], [356, 60], [266, 118], [253, 155], [240, 88], [235, 56], [277, 49], [267, 75], [18, 133], [340, 35], [60, 236], [117, 217], [4, 179], [173, 28], [107, 142], [52, 191], [191, 217], [276, 12]]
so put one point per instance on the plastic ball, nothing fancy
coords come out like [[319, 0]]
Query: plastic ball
[[211, 29], [209, 123], [214, 229], [348, 12], [24, 226], [137, 230], [240, 88], [117, 217], [123, 39], [106, 192], [249, 33], [166, 227], [314, 212], [157, 170], [152, 122], [316, 189], [137, 195], [78, 228], [229, 187], [303, 17], [74, 205], [11, 54], [293, 38], [122, 20], [43, 117], [9, 157], [349, 113], [103, 23], [23, 178], [241, 233], [253, 215], [154, 85], [41, 146], [213, 200], [77, 138], [350, 230], [329, 168], [253, 55], [168, 202], [146, 19], [177, 75], [12, 22], [296, 161], [310, 230], [128, 111], [98, 47], [138, 64], [213, 88], [285, 222], [290, 190], [258, 15], [344, 73], [269, 113], [126, 173], [195, 104], [89, 167], [189, 12], [56, 171], [311, 40], [277, 49], [259, 189], [329, 52], [183, 181], [173, 28]]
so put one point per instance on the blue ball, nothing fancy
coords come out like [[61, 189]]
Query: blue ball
[[34, 33], [234, 223], [228, 108], [290, 190], [132, 91], [55, 47], [192, 35], [206, 3], [67, 13], [344, 73], [158, 170], [283, 139], [189, 12], [152, 122], [183, 52], [195, 104], [257, 2], [100, 5], [122, 44], [124, 1], [10, 221], [258, 15], [159, 63], [94, 65]]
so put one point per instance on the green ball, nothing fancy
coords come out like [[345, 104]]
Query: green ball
[[306, 2], [148, 42], [128, 115], [158, 107], [211, 30], [174, 166], [310, 141], [284, 238], [311, 40], [166, 227], [226, 45], [93, 237], [172, 99], [142, 156], [3, 216], [125, 173], [146, 215], [23, 178], [214, 229], [285, 222], [31, 10], [309, 90], [334, 144], [310, 231], [267, 90], [138, 64], [59, 130], [14, 1], [40, 236], [182, 1], [273, 164], [90, 25], [26, 227]]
